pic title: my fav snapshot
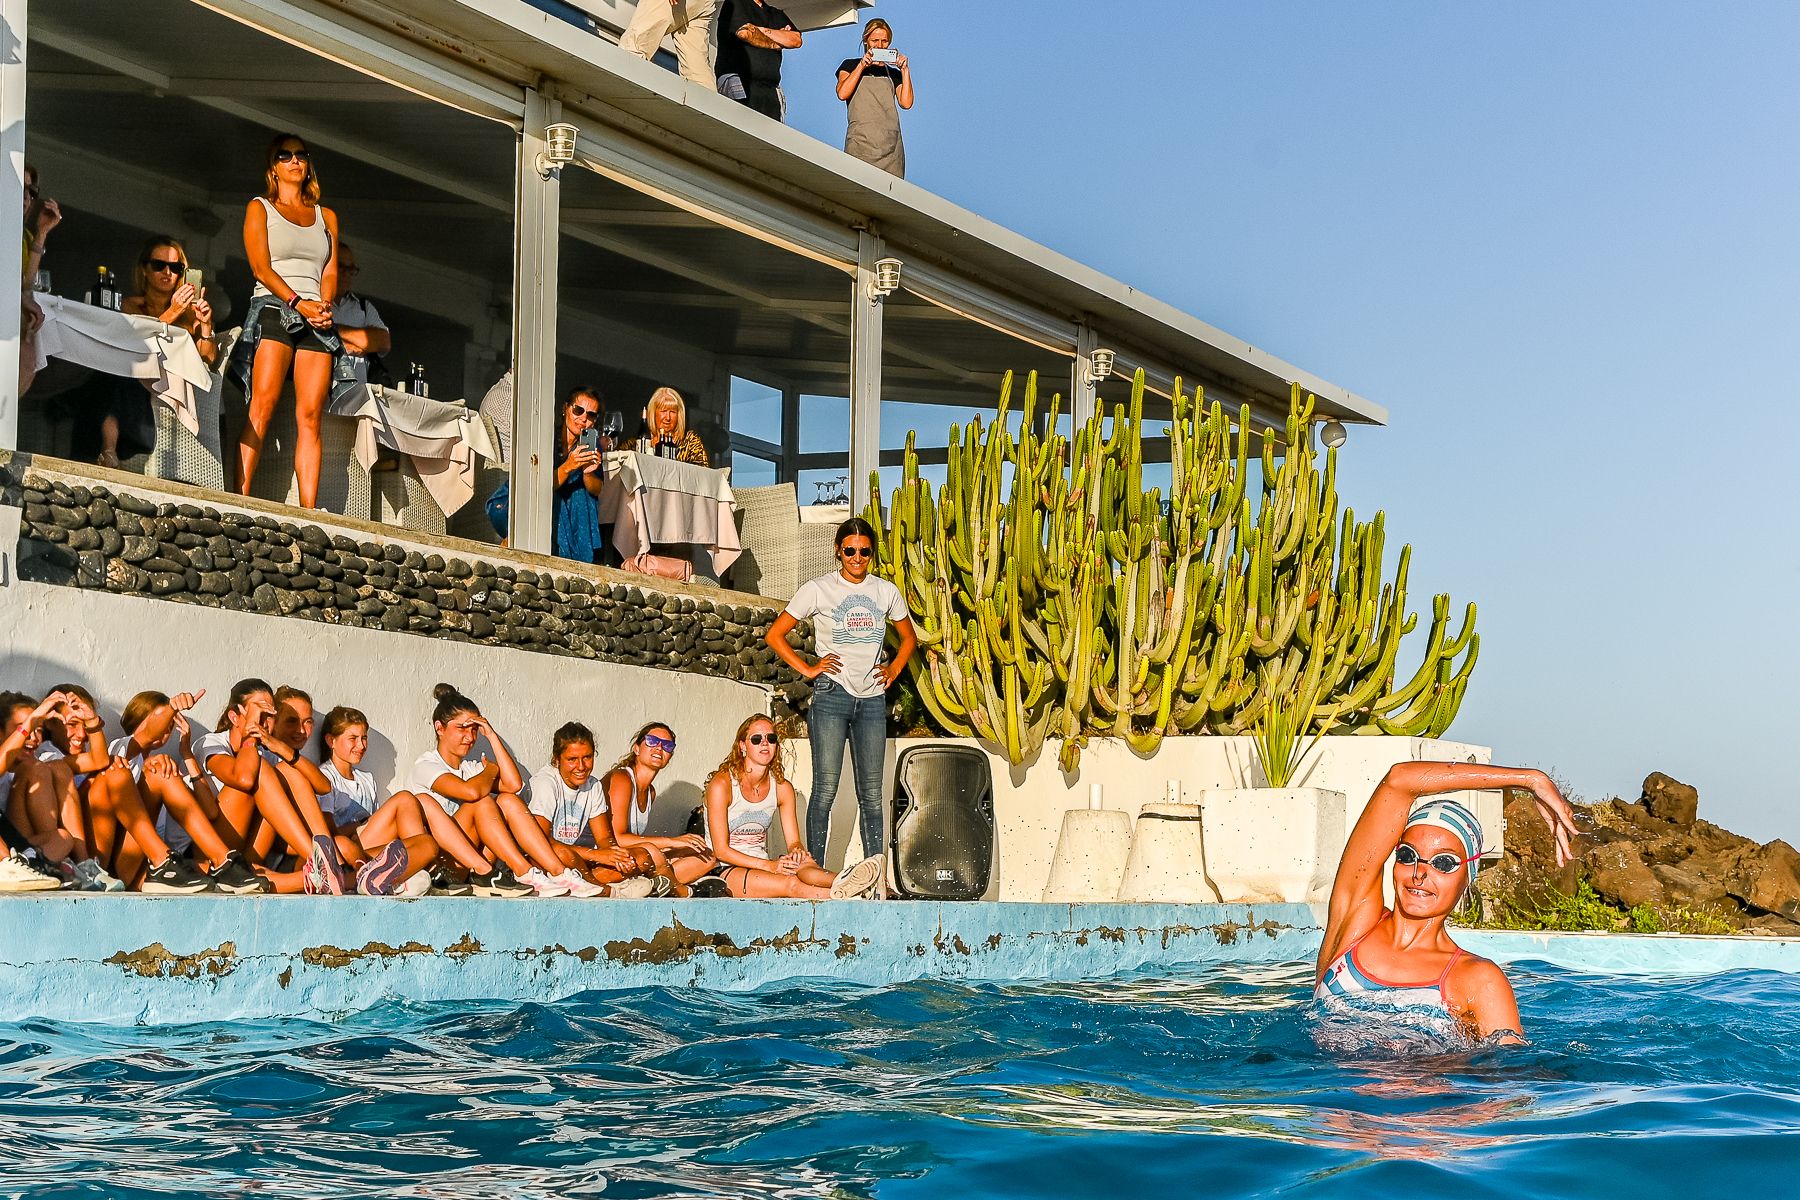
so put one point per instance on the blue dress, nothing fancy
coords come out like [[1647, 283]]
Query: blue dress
[[575, 521]]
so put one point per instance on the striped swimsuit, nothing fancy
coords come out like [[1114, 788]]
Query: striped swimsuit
[[1346, 978]]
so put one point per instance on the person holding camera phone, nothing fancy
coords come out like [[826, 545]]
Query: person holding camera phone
[[163, 288], [874, 88], [580, 472]]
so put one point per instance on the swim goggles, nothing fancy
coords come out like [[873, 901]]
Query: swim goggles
[[1443, 864]]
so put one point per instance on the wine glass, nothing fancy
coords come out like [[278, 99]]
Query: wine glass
[[41, 282], [611, 427]]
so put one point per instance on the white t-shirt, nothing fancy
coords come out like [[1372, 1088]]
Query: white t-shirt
[[850, 620], [209, 747], [350, 801], [567, 809], [354, 312], [430, 766]]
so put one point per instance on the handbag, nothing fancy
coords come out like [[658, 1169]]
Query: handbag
[[661, 566]]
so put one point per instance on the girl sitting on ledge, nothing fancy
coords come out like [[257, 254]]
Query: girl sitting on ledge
[[256, 773], [631, 794], [481, 798], [570, 806], [743, 798], [393, 830]]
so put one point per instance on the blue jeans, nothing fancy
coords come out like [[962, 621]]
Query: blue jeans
[[834, 718]]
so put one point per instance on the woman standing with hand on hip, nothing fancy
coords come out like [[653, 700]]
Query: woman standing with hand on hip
[[291, 241], [850, 610]]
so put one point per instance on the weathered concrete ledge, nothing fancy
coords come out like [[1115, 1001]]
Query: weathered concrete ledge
[[138, 959]]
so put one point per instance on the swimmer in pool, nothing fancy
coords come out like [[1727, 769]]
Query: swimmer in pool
[[1402, 956]]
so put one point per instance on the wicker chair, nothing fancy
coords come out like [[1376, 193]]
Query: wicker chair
[[768, 520], [196, 458]]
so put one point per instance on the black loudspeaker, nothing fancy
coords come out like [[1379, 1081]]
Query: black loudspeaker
[[943, 846]]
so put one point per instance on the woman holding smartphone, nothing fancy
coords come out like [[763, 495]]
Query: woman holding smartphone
[[874, 88], [291, 241], [580, 471], [123, 406]]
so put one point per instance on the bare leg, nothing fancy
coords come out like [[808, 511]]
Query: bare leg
[[765, 885], [817, 877], [268, 371], [534, 841], [191, 813], [279, 809], [453, 839], [312, 376], [36, 815], [489, 826], [115, 801]]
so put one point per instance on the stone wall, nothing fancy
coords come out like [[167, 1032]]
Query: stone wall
[[135, 542]]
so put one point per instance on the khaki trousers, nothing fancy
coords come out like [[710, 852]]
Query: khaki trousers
[[692, 21]]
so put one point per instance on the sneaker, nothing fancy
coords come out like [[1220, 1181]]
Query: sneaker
[[234, 877], [546, 886], [661, 885], [90, 876], [709, 887], [346, 880], [578, 886], [418, 883], [858, 879], [498, 882], [17, 875], [635, 888], [172, 877], [383, 874], [319, 877]]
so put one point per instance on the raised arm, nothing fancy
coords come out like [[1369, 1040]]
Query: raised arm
[[509, 779], [1356, 893]]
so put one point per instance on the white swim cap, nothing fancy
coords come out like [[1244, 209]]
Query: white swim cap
[[1455, 817]]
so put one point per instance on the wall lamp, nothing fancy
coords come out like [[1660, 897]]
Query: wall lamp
[[559, 148], [1100, 366], [1332, 433], [886, 280]]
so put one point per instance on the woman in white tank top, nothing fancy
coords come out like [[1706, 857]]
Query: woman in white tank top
[[743, 799], [291, 241], [630, 795]]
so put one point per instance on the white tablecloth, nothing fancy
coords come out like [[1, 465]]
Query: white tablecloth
[[164, 356], [658, 500], [443, 439]]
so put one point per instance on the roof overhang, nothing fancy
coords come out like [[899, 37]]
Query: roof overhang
[[645, 124]]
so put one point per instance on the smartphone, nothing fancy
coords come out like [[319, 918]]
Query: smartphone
[[590, 437], [196, 279], [887, 57]]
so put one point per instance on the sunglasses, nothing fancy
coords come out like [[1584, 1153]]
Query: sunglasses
[[757, 739], [1443, 864], [857, 551], [666, 745], [157, 264], [282, 156], [589, 413]]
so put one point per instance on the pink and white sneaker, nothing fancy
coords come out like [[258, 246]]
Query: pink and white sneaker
[[546, 886], [578, 886]]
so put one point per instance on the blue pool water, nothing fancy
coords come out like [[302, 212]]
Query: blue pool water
[[1211, 1084]]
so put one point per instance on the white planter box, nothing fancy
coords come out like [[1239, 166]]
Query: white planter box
[[1273, 844]]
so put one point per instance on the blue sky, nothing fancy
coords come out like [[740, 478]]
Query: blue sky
[[1558, 242]]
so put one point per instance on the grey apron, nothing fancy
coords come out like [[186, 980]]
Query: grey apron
[[874, 134]]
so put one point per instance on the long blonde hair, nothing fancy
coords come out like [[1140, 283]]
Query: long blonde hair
[[672, 398], [733, 766]]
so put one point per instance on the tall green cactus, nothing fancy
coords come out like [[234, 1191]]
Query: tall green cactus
[[1054, 596]]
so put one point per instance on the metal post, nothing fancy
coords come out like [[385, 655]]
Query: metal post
[[1084, 395], [12, 216], [865, 369], [789, 467], [535, 233]]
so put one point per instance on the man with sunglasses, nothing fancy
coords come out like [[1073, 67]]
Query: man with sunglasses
[[359, 326], [1381, 960], [850, 609]]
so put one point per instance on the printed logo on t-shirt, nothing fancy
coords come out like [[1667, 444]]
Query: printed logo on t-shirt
[[857, 620]]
